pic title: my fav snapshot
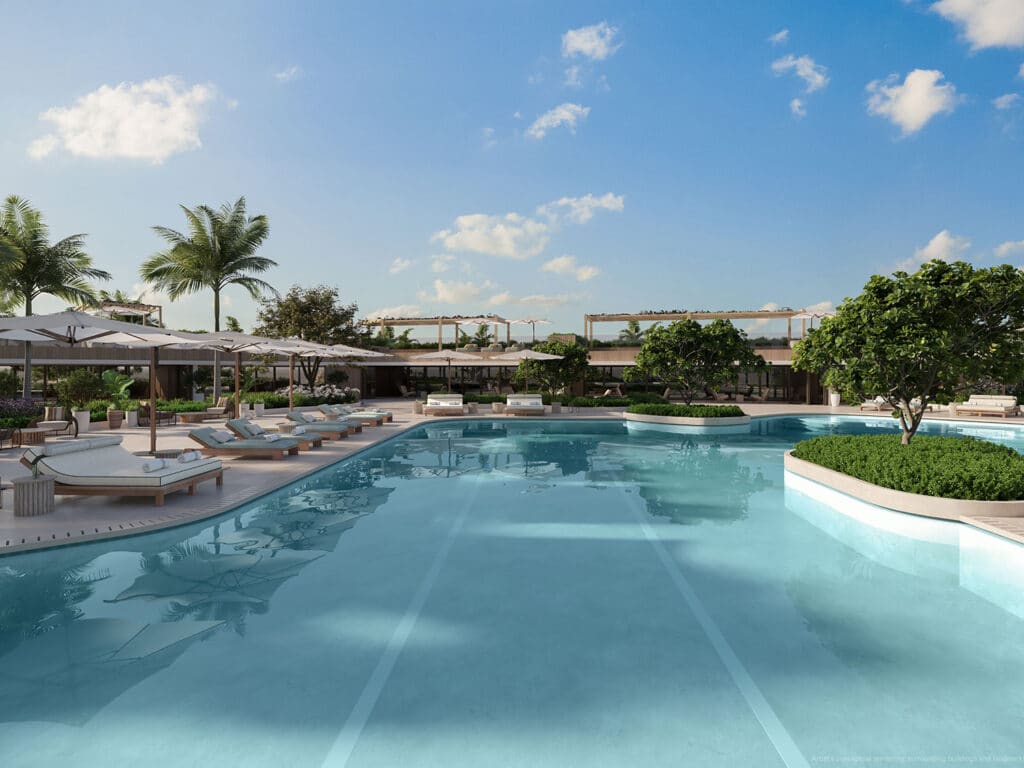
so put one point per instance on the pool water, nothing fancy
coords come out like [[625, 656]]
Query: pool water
[[546, 593]]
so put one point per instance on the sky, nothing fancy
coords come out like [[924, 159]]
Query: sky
[[529, 158]]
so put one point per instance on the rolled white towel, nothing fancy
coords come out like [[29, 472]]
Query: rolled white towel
[[271, 437], [299, 431], [153, 465], [188, 456]]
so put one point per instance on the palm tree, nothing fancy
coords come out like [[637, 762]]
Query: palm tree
[[219, 250], [32, 266], [632, 335]]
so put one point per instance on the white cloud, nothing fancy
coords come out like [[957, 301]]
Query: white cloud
[[574, 76], [915, 101], [1006, 101], [500, 299], [796, 106], [151, 120], [986, 23], [780, 37], [1009, 248], [453, 292], [595, 42], [399, 265], [442, 263], [567, 265], [511, 235], [567, 114], [488, 140], [580, 210], [814, 75], [288, 74], [400, 310], [945, 246], [517, 115], [543, 300]]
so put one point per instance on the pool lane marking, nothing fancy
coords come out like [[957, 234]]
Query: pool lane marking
[[770, 723], [346, 741]]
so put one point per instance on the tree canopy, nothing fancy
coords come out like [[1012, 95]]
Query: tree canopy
[[314, 314], [693, 358], [911, 336], [553, 375]]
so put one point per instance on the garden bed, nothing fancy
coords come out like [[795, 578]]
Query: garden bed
[[688, 419]]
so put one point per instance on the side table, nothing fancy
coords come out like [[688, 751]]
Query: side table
[[33, 496]]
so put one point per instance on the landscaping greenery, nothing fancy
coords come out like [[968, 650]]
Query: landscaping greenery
[[553, 375], [18, 412], [687, 411], [948, 467], [692, 358], [918, 335], [80, 387]]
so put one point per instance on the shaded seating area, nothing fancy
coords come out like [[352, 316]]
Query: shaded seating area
[[225, 408], [331, 429], [99, 466], [247, 430], [524, 405], [876, 404], [368, 416], [216, 442], [987, 405], [443, 405]]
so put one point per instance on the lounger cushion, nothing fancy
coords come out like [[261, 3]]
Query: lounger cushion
[[112, 466]]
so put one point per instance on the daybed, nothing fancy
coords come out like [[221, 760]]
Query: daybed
[[99, 466], [369, 416], [524, 405], [443, 405], [987, 405], [217, 442], [247, 430]]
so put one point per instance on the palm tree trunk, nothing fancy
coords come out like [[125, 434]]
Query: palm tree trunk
[[26, 387], [216, 354]]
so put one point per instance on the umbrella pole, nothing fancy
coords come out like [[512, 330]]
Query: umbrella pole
[[152, 400], [291, 382], [238, 382], [449, 376]]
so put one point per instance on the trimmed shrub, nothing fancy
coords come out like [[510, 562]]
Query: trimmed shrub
[[645, 397], [688, 411], [597, 402], [10, 384], [947, 467]]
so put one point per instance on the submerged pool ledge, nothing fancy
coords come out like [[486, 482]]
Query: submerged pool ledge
[[718, 425], [955, 510]]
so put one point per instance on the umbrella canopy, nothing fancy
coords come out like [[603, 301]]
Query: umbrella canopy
[[447, 355], [532, 322], [527, 354]]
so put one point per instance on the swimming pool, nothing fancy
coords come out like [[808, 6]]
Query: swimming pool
[[545, 593]]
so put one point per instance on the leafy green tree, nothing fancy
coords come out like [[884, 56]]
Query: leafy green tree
[[32, 266], [632, 335], [694, 358], [314, 314], [231, 324], [910, 336], [385, 338], [482, 337], [218, 250], [553, 375]]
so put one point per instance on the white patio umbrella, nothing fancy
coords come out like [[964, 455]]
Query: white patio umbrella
[[301, 348], [532, 322], [232, 342], [526, 354], [73, 328], [447, 355]]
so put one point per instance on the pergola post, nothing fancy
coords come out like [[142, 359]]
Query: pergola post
[[440, 331]]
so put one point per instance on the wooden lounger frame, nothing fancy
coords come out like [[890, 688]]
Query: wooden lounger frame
[[269, 452], [157, 492]]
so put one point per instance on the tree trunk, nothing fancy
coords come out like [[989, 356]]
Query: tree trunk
[[909, 421], [26, 386], [216, 353]]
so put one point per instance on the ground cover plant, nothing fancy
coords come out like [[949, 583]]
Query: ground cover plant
[[947, 467], [687, 411]]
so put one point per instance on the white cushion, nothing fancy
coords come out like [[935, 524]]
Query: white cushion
[[271, 437], [113, 466]]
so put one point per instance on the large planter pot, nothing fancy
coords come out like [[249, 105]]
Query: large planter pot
[[115, 417], [834, 399], [243, 410], [132, 417], [258, 408], [82, 417], [33, 495], [417, 406]]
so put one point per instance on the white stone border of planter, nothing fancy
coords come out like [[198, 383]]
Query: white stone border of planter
[[721, 425], [900, 501]]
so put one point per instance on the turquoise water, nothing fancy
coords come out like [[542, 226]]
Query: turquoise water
[[526, 594]]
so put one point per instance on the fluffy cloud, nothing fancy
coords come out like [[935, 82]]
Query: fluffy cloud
[[544, 300], [796, 106], [915, 101], [596, 42], [441, 263], [574, 76], [814, 75], [452, 292], [986, 23], [780, 37], [400, 310], [288, 74], [151, 120], [580, 210], [945, 246], [501, 299], [511, 235], [1010, 248], [567, 265], [399, 265], [487, 138], [1006, 101], [567, 114]]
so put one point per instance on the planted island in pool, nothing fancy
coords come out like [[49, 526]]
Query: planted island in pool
[[688, 418]]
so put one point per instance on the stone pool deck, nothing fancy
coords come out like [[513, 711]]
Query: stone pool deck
[[78, 519]]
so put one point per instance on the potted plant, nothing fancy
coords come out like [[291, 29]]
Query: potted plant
[[117, 386], [78, 388]]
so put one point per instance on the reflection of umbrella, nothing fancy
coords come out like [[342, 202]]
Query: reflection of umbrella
[[532, 322], [75, 669], [526, 354], [447, 355], [78, 328]]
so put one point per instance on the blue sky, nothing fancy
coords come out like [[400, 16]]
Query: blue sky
[[531, 158]]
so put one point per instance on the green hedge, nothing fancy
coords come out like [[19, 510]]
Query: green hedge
[[597, 402], [688, 411], [15, 422], [948, 467]]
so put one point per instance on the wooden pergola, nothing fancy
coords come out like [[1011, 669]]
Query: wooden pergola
[[452, 320], [789, 315]]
